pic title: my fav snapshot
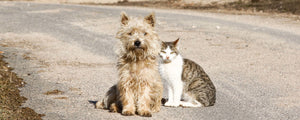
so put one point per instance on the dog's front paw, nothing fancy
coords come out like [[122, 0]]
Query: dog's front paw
[[145, 113], [171, 104], [127, 113], [156, 109]]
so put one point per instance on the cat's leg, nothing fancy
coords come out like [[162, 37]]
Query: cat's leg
[[178, 88], [194, 103], [177, 92], [170, 96], [197, 104], [189, 101]]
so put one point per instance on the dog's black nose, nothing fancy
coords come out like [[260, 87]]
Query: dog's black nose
[[137, 43]]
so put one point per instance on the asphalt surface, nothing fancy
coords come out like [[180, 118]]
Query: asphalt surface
[[252, 60]]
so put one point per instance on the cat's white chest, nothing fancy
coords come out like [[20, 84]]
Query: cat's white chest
[[171, 71]]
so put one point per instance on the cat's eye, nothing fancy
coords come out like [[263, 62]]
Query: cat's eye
[[163, 51], [145, 33], [172, 52], [129, 33]]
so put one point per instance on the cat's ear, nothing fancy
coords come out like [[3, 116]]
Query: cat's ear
[[176, 42], [124, 18]]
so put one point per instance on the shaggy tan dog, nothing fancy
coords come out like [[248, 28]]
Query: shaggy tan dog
[[140, 88]]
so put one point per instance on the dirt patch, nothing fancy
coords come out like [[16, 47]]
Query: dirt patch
[[61, 98], [10, 99], [54, 92]]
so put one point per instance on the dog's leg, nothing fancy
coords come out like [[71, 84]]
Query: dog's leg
[[143, 106], [127, 99], [113, 108], [110, 97], [128, 103], [156, 97], [157, 104]]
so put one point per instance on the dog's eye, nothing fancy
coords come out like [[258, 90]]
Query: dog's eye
[[163, 51], [129, 33], [145, 33]]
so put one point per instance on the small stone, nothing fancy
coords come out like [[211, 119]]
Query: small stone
[[28, 74]]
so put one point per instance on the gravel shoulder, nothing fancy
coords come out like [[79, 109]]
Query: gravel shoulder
[[252, 60], [10, 99]]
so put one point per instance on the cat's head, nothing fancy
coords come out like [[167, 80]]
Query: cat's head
[[169, 51]]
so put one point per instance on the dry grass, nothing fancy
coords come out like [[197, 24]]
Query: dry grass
[[54, 92], [280, 6], [10, 99]]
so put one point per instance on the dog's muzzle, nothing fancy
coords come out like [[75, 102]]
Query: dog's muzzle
[[137, 43]]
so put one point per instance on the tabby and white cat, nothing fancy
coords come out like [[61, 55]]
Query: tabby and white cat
[[187, 83]]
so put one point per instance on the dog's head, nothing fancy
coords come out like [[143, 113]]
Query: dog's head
[[138, 37]]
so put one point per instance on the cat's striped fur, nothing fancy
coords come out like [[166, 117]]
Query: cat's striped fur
[[197, 84]]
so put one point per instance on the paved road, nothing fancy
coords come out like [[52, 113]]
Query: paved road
[[252, 60]]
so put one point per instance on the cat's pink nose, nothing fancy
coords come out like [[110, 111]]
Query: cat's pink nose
[[167, 57]]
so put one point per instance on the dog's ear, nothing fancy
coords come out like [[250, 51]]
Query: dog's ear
[[124, 18], [150, 19], [163, 44]]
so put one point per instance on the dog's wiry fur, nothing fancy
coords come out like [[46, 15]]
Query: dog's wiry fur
[[139, 89]]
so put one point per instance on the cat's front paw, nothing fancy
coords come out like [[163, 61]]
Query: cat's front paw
[[171, 104]]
